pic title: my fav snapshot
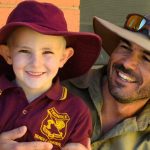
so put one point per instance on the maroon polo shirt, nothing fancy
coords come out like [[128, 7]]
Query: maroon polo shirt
[[57, 116]]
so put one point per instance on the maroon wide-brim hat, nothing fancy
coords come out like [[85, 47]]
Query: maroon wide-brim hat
[[48, 19]]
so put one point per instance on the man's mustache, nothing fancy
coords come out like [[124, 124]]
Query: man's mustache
[[128, 71]]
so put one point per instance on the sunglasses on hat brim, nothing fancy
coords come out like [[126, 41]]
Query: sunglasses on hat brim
[[138, 23]]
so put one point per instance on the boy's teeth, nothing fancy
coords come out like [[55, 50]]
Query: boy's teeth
[[35, 73], [125, 77]]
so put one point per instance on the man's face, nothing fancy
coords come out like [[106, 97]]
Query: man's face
[[129, 73]]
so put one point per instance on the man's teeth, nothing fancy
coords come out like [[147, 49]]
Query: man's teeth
[[125, 77]]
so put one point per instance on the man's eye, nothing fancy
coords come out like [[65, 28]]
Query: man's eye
[[146, 58], [23, 51], [125, 46]]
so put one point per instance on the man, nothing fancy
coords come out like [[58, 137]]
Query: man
[[119, 98]]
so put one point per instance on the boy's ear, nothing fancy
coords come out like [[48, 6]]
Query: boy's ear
[[68, 52], [5, 52]]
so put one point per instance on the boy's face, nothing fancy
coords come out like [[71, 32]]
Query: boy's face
[[36, 57]]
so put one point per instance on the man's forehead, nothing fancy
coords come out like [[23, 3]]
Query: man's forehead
[[131, 44]]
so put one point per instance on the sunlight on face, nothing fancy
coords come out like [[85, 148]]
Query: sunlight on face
[[36, 58], [128, 73]]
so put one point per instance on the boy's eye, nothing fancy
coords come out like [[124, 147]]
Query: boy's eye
[[47, 52], [23, 51]]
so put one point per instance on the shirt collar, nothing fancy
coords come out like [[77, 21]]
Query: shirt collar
[[143, 118], [90, 81], [57, 91], [91, 77], [5, 83]]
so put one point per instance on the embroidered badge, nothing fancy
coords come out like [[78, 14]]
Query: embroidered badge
[[54, 126]]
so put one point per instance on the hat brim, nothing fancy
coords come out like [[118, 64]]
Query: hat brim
[[111, 35], [86, 47]]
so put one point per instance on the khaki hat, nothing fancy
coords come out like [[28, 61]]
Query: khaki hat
[[111, 34]]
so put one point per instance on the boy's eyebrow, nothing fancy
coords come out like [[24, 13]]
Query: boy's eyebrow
[[46, 48], [29, 48], [26, 47]]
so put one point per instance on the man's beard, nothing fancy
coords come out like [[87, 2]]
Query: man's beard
[[127, 97]]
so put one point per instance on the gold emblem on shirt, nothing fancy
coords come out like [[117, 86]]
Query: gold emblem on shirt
[[54, 126]]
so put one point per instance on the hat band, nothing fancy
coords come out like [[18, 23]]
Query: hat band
[[138, 23]]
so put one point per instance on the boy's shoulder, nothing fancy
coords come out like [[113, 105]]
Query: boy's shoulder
[[75, 100], [70, 96]]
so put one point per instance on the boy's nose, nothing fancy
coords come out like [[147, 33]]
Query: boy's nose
[[36, 60]]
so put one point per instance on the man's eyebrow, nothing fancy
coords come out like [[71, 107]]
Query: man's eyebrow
[[129, 44], [126, 41]]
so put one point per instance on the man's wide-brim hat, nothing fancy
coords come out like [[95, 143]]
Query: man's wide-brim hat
[[111, 35], [48, 19]]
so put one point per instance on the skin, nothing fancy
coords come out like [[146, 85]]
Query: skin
[[36, 59], [7, 142], [128, 73], [127, 87]]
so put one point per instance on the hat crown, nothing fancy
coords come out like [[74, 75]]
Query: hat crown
[[43, 14]]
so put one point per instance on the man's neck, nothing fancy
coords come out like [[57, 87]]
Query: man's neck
[[114, 112]]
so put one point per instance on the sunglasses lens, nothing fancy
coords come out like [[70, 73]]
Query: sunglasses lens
[[135, 22]]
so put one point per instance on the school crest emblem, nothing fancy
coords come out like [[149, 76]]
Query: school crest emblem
[[54, 126]]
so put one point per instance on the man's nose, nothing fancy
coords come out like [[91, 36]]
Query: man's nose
[[131, 62]]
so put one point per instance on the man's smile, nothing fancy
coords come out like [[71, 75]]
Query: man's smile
[[126, 77]]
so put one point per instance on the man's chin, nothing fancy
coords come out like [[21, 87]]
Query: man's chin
[[124, 101], [122, 97]]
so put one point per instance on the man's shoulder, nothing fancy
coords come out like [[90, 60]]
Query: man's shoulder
[[85, 80], [86, 86]]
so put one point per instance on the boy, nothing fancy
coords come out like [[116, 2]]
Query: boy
[[35, 41]]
